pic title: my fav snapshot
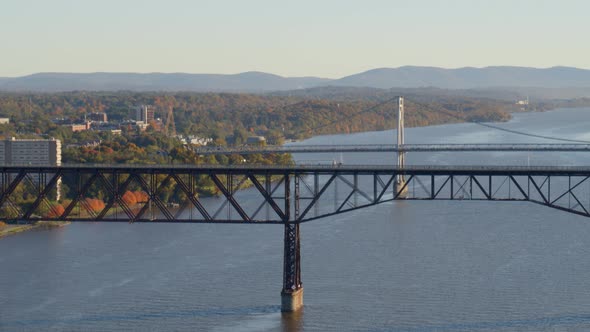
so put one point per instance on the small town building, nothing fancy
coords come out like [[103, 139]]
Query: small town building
[[98, 117], [144, 113], [256, 140], [80, 126]]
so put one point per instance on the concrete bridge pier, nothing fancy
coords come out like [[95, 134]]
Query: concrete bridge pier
[[401, 188], [292, 301]]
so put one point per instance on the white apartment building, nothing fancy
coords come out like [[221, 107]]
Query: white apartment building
[[35, 152]]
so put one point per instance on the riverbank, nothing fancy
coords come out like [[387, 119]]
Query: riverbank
[[15, 229]]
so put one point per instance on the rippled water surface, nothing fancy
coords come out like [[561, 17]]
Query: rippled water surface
[[403, 266]]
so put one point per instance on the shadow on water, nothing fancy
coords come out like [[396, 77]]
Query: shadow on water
[[292, 321]]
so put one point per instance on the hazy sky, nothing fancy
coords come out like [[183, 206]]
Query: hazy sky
[[328, 38]]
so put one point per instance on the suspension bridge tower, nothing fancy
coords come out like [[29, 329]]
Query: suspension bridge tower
[[400, 181]]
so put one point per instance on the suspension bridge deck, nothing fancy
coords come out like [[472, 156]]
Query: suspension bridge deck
[[394, 148]]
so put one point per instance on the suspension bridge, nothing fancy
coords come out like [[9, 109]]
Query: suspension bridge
[[245, 150], [282, 195]]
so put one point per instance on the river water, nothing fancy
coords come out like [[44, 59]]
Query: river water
[[402, 266]]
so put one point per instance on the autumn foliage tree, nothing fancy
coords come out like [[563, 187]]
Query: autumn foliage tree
[[134, 197], [95, 204], [141, 196], [55, 211]]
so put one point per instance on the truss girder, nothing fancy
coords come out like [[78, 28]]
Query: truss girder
[[200, 194], [44, 190], [192, 196]]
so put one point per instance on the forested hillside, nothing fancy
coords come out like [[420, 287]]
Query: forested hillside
[[222, 117], [217, 115]]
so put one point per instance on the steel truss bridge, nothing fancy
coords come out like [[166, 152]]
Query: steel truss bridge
[[245, 150], [288, 196]]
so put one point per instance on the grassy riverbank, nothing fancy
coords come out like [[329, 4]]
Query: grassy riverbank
[[8, 230]]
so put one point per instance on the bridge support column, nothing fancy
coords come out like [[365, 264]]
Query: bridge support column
[[292, 293]]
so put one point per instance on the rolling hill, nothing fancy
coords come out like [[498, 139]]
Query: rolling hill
[[384, 78]]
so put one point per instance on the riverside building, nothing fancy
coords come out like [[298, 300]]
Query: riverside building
[[33, 152], [36, 152]]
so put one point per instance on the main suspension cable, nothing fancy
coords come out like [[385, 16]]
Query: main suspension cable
[[512, 131]]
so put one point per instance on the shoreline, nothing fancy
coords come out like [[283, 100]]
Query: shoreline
[[289, 142], [10, 230]]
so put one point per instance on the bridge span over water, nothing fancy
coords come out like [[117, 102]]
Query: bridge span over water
[[280, 195], [245, 150]]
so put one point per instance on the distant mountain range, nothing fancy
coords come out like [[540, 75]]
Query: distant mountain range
[[249, 81], [469, 78], [383, 78]]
